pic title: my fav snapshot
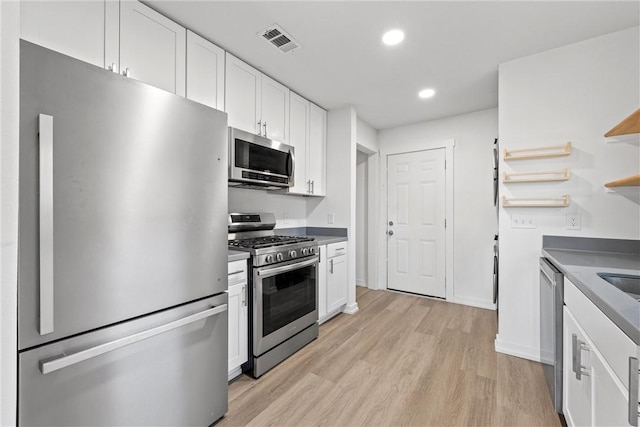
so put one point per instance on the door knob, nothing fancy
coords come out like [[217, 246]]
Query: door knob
[[390, 222], [390, 232]]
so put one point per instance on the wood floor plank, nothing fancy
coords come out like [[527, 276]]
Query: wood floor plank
[[402, 360]]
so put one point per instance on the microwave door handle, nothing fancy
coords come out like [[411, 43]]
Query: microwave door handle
[[291, 165]]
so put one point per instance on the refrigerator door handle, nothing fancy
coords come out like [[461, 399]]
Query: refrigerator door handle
[[63, 361], [45, 149]]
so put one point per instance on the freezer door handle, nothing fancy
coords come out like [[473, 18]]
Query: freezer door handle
[[45, 151], [63, 361]]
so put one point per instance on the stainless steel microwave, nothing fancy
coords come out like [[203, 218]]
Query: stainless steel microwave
[[258, 162]]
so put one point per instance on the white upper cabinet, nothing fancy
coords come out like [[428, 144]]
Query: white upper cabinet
[[299, 139], [205, 72], [254, 102], [275, 110], [152, 47], [317, 152], [243, 95], [74, 28], [307, 133]]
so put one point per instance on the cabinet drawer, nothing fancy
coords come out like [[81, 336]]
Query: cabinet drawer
[[614, 345], [237, 272], [336, 249]]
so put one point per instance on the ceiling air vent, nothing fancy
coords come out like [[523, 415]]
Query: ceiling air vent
[[277, 37]]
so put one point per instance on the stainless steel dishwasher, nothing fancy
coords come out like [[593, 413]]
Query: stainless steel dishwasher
[[551, 301]]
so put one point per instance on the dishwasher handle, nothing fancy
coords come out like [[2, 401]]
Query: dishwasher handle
[[63, 361]]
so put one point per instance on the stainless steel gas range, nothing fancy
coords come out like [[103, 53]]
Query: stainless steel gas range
[[283, 289]]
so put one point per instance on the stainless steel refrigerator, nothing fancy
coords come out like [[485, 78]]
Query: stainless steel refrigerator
[[122, 250]]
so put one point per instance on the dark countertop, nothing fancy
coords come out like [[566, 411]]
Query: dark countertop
[[325, 240], [237, 255], [580, 261]]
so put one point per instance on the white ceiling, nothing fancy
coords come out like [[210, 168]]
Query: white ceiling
[[454, 47]]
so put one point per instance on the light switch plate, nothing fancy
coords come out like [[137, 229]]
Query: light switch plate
[[330, 218], [523, 221]]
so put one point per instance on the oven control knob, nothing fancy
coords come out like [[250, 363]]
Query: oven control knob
[[279, 257], [269, 258], [305, 251], [293, 254]]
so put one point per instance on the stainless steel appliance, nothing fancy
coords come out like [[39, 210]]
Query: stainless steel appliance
[[551, 301], [258, 162], [284, 291], [122, 250]]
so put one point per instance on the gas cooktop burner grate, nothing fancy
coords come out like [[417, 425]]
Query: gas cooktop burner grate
[[268, 241]]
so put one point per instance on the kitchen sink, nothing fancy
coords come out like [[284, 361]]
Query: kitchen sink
[[625, 282]]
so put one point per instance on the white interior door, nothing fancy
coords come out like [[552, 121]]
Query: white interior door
[[416, 222]]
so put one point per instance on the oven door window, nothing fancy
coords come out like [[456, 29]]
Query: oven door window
[[262, 159], [287, 297]]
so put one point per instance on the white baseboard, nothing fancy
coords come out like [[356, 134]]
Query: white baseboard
[[517, 350], [474, 302], [360, 282], [235, 373], [351, 309]]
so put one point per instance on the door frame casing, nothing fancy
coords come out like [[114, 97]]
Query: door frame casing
[[448, 145]]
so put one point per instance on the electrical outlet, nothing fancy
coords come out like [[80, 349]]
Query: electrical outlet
[[573, 221], [330, 218], [523, 221]]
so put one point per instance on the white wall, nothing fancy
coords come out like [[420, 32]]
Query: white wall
[[575, 93], [362, 213], [367, 137], [9, 123], [474, 218], [341, 186], [290, 211]]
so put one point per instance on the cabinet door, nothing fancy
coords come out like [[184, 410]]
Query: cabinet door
[[243, 95], [610, 397], [275, 110], [322, 283], [152, 47], [238, 332], [205, 72], [299, 138], [74, 28], [577, 393], [336, 282], [317, 152]]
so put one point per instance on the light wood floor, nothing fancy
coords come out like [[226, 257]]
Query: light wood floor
[[401, 360]]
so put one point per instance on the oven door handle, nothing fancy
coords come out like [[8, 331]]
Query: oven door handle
[[289, 267]]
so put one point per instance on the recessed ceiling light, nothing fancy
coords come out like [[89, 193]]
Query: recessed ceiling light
[[426, 93], [392, 37]]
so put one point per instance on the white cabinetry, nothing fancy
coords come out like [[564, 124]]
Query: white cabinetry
[[254, 102], [205, 72], [126, 37], [152, 47], [74, 28], [308, 135], [332, 277], [238, 317], [596, 365]]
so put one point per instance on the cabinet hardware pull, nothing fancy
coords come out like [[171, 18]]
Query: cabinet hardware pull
[[331, 266], [113, 67], [244, 296], [235, 272], [126, 72], [634, 372], [260, 127], [45, 150], [264, 125]]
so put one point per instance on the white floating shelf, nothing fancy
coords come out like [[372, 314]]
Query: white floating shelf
[[536, 202], [542, 176], [538, 152]]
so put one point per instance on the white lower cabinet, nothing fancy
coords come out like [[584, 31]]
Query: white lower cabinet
[[333, 278], [238, 317], [597, 376]]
